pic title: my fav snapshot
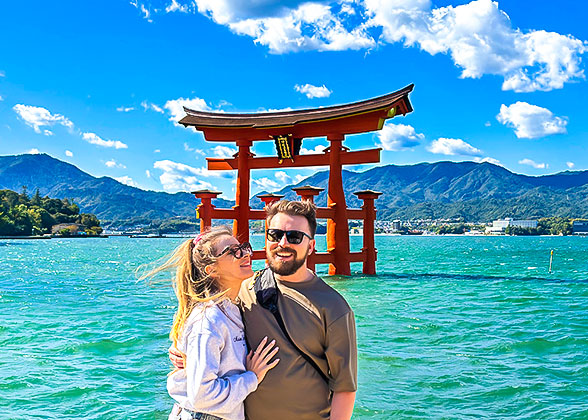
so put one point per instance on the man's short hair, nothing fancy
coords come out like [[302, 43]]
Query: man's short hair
[[294, 208]]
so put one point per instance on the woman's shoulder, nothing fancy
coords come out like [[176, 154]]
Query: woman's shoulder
[[209, 316]]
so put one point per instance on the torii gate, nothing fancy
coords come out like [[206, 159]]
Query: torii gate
[[288, 128]]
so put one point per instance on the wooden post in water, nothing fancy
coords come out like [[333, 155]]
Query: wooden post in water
[[337, 227], [204, 209], [267, 200], [307, 192], [550, 261], [241, 223], [369, 243]]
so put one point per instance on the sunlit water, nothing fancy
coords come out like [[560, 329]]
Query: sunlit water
[[451, 328]]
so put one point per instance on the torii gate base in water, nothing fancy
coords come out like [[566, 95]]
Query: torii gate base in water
[[288, 129]]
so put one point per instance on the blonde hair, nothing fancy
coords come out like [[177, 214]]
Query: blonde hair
[[191, 283]]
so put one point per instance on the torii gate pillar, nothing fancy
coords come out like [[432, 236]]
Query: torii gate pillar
[[241, 223], [338, 226]]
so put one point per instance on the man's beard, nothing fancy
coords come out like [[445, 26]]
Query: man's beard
[[286, 268]]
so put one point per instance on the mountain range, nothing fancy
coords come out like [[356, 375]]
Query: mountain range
[[441, 190], [113, 202]]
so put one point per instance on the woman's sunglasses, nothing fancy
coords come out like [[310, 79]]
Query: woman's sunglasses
[[293, 236], [238, 251]]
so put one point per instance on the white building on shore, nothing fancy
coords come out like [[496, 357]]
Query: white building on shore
[[499, 226]]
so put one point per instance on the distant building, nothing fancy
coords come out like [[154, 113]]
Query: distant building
[[499, 226], [396, 225], [580, 227], [74, 228]]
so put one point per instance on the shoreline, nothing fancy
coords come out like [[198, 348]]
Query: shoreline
[[177, 236], [51, 237]]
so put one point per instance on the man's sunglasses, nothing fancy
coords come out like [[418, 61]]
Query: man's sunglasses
[[293, 236], [238, 251]]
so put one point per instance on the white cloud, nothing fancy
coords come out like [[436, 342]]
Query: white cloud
[[319, 148], [283, 177], [114, 164], [127, 180], [226, 11], [1, 98], [480, 39], [34, 151], [188, 148], [308, 26], [398, 137], [147, 173], [313, 91], [37, 117], [478, 36], [151, 106], [275, 109], [95, 139], [224, 151], [157, 151], [265, 184], [299, 178], [533, 164], [2, 73], [446, 146], [68, 153], [487, 159], [181, 177], [125, 109], [174, 6], [144, 11], [176, 107], [531, 121], [570, 165]]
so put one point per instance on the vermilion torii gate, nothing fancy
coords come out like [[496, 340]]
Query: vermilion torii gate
[[287, 129]]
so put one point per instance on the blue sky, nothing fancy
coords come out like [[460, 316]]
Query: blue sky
[[100, 84]]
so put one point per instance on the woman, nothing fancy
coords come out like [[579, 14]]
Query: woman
[[208, 329]]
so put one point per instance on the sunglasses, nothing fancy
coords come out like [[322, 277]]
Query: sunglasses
[[292, 236], [237, 251]]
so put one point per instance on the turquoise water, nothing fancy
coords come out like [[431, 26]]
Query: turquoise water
[[451, 328]]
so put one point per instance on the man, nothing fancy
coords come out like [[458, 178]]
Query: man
[[317, 375]]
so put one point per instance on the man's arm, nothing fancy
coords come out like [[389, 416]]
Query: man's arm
[[341, 353], [342, 405]]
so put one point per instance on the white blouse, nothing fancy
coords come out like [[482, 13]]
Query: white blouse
[[214, 380]]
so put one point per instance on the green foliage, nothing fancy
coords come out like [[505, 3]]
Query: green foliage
[[94, 230], [555, 226], [21, 215], [545, 226], [454, 229], [521, 231], [89, 220], [177, 225]]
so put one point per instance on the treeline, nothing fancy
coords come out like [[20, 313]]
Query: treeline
[[21, 215], [456, 228], [545, 226]]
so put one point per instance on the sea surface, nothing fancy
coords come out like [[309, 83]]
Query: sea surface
[[450, 328]]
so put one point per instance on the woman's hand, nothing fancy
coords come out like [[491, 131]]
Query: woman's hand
[[258, 361], [176, 357]]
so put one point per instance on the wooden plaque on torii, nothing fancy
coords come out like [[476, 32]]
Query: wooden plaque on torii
[[287, 127]]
